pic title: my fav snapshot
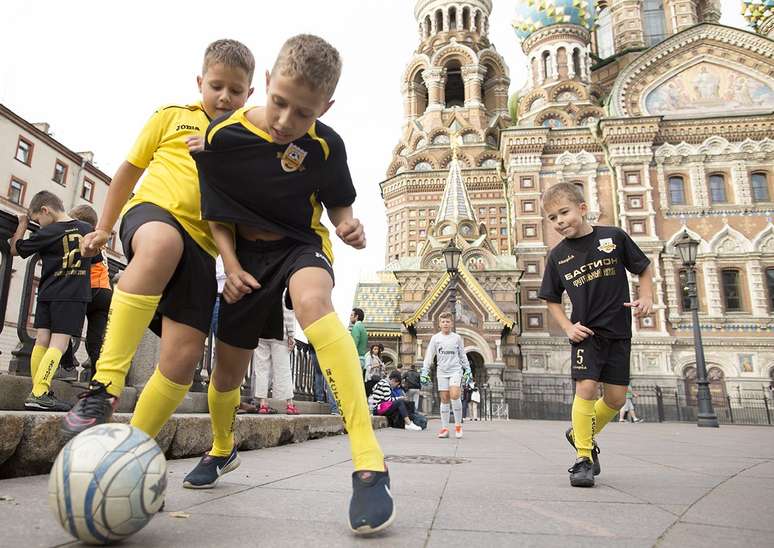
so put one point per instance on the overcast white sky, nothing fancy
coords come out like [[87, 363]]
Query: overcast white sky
[[96, 70]]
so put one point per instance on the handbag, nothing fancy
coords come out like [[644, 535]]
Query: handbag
[[475, 396], [383, 407]]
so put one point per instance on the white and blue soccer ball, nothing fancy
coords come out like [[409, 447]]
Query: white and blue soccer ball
[[107, 483]]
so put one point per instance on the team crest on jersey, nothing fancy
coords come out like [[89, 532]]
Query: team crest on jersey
[[606, 245], [292, 158]]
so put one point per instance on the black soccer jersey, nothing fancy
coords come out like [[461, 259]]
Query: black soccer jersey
[[592, 269], [65, 275], [247, 179]]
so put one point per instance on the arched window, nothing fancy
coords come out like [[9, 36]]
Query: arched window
[[676, 190], [477, 21], [428, 26], [547, 64], [605, 41], [576, 64], [454, 91], [453, 18], [653, 22], [438, 21], [760, 187], [420, 93], [731, 283], [466, 18], [770, 287], [717, 187]]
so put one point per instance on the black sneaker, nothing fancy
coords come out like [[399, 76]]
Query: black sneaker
[[594, 450], [208, 471], [371, 508], [582, 473], [95, 406], [45, 402]]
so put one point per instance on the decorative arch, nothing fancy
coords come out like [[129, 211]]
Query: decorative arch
[[395, 167], [567, 121], [471, 132], [704, 247], [764, 241], [462, 158], [418, 63], [479, 344], [574, 87], [487, 155], [491, 58], [454, 51], [527, 103], [729, 241], [423, 158], [392, 354], [435, 133], [415, 144], [476, 252]]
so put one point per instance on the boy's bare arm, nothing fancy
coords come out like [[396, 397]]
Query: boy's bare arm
[[121, 187], [643, 306], [576, 332], [238, 282], [21, 228], [349, 229]]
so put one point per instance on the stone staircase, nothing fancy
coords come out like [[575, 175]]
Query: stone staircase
[[30, 441]]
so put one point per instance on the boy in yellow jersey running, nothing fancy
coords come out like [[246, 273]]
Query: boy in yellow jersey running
[[170, 248], [269, 170]]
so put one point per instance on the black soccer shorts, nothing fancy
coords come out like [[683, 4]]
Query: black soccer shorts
[[189, 296], [64, 317], [601, 359], [258, 315]]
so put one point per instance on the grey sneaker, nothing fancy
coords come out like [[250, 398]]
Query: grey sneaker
[[582, 473], [45, 402]]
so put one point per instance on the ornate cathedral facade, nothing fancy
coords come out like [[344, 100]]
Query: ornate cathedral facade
[[661, 115]]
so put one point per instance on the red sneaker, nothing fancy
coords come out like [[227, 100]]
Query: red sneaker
[[444, 433], [292, 410]]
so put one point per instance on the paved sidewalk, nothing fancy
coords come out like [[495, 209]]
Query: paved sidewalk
[[661, 484]]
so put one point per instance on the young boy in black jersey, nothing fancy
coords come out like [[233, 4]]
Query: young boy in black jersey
[[63, 294], [590, 263], [170, 278], [268, 171]]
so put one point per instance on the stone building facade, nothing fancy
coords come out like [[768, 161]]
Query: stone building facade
[[660, 114], [33, 160]]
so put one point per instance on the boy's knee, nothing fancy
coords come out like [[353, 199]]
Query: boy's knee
[[158, 241], [312, 306]]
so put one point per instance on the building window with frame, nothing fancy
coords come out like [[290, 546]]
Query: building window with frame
[[653, 22], [676, 190], [16, 190], [60, 173], [532, 295], [769, 275], [632, 178], [760, 187], [717, 188], [731, 285], [24, 150], [531, 268], [87, 190], [527, 182], [605, 42]]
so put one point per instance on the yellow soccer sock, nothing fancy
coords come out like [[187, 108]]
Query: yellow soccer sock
[[158, 401], [603, 414], [583, 425], [128, 318], [340, 364], [223, 409], [35, 359], [49, 363]]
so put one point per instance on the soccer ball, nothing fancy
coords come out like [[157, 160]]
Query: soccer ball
[[107, 483]]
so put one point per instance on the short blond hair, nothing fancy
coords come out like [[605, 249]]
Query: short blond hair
[[84, 213], [444, 316], [231, 53], [312, 60], [571, 191]]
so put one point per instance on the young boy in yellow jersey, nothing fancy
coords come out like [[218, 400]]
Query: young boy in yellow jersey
[[269, 170], [170, 249]]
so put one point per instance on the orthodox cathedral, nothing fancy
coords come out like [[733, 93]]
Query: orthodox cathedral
[[665, 120]]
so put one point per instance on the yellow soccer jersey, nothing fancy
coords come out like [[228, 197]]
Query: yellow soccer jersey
[[170, 179]]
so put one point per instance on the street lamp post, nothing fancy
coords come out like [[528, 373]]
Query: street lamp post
[[688, 249], [451, 255]]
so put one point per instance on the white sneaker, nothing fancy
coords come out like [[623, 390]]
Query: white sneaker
[[412, 426], [458, 431]]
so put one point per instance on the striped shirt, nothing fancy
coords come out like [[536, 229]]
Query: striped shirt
[[382, 392]]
